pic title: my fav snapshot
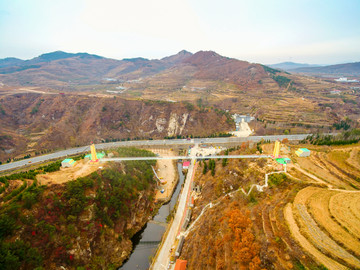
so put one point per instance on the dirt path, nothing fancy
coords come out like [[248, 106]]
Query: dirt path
[[314, 252], [354, 159], [318, 180]]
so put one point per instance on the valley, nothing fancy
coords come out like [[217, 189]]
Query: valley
[[234, 206]]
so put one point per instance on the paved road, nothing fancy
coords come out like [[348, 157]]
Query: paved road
[[40, 159], [79, 150]]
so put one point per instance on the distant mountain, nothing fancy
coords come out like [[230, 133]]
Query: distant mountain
[[10, 61], [48, 57], [61, 69], [291, 65], [349, 69]]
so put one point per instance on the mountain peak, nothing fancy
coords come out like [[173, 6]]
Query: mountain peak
[[177, 58], [204, 58]]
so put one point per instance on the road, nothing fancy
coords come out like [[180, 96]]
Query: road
[[79, 150]]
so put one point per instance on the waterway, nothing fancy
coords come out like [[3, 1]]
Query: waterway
[[146, 241]]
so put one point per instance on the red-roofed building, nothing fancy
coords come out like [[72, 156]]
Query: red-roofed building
[[186, 165], [180, 264]]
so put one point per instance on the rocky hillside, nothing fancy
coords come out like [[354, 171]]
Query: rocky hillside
[[86, 223], [239, 231], [57, 121], [212, 66]]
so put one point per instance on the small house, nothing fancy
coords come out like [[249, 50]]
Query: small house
[[186, 165], [302, 152], [180, 264], [67, 163]]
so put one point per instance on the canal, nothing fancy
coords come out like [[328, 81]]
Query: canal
[[145, 242]]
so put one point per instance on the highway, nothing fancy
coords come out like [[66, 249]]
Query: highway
[[79, 150]]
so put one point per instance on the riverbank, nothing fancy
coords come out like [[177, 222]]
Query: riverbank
[[166, 170]]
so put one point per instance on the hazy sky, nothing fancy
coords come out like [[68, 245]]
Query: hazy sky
[[265, 31]]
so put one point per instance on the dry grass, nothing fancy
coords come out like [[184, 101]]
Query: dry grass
[[318, 205], [340, 208], [314, 252]]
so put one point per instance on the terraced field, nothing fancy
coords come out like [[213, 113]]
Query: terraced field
[[333, 168], [324, 224]]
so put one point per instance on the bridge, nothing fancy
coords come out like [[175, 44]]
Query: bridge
[[119, 159], [152, 143]]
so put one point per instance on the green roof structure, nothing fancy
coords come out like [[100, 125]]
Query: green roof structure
[[281, 161], [68, 162], [99, 155]]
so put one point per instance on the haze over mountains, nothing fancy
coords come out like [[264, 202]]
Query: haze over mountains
[[291, 65], [347, 69]]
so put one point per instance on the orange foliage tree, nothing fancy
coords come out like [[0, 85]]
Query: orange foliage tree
[[237, 239]]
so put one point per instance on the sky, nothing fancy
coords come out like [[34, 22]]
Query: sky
[[262, 31]]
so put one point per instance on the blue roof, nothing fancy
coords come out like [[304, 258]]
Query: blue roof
[[305, 149], [67, 160]]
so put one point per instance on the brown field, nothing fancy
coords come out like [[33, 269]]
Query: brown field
[[311, 211], [340, 208], [309, 248], [318, 206], [319, 166], [80, 169]]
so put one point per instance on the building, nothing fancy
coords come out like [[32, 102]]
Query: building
[[67, 163], [345, 80], [180, 264], [283, 160], [302, 152], [335, 92], [98, 155], [276, 152], [191, 202], [186, 165], [241, 118]]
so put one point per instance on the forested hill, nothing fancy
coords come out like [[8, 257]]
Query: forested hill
[[86, 223]]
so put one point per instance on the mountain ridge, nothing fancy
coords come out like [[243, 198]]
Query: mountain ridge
[[347, 69], [60, 69], [291, 65]]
